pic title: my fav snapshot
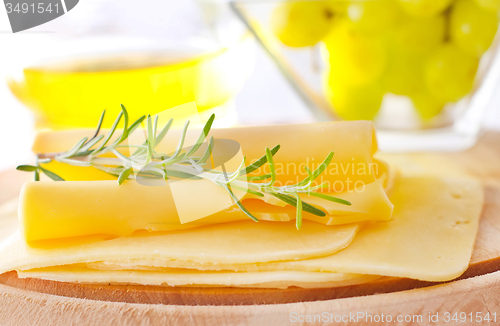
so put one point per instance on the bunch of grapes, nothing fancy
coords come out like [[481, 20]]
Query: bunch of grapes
[[427, 50]]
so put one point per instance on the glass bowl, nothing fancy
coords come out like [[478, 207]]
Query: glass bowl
[[149, 57], [423, 71]]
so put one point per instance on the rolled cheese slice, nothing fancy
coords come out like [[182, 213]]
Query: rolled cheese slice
[[53, 210], [353, 142], [91, 205]]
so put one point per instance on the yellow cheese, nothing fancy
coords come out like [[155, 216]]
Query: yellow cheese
[[51, 210], [275, 279], [104, 208], [353, 143], [430, 238], [237, 242]]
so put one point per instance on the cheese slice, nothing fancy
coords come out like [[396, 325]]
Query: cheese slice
[[91, 208], [237, 242], [430, 238], [353, 143], [105, 208], [179, 277]]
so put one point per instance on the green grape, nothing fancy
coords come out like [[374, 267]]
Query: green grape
[[471, 27], [373, 17], [449, 73], [424, 8], [404, 72], [421, 35], [299, 24], [354, 102], [355, 59], [426, 105], [336, 6], [492, 5]]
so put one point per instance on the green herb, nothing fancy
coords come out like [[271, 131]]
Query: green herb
[[27, 168], [51, 175], [261, 161], [146, 162], [124, 175]]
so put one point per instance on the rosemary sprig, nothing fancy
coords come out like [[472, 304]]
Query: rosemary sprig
[[38, 169], [145, 162]]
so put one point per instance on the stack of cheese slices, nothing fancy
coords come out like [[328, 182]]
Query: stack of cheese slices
[[88, 229]]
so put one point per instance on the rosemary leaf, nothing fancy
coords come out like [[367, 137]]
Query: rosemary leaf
[[181, 175], [122, 157], [322, 166], [155, 128], [134, 125], [27, 168], [74, 162], [83, 153], [149, 131], [238, 203], [110, 134], [85, 148], [149, 140], [298, 217], [261, 161], [163, 132], [99, 124], [309, 174], [305, 206], [124, 175], [236, 174], [171, 160], [330, 198], [125, 125], [269, 158], [155, 170], [37, 175], [75, 148], [44, 160], [51, 175], [198, 167], [313, 175], [208, 151], [181, 141], [203, 135]]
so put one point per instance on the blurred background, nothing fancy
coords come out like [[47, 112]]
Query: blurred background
[[426, 72]]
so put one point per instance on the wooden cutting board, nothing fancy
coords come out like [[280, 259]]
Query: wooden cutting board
[[31, 301]]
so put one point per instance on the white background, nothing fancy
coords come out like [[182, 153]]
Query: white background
[[265, 98]]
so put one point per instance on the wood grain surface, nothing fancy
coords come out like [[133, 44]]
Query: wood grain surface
[[476, 291]]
